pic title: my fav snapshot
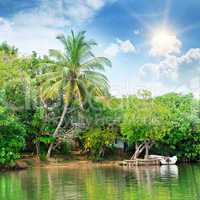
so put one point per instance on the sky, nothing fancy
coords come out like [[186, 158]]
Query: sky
[[153, 44]]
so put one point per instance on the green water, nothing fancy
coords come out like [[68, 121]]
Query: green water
[[152, 183]]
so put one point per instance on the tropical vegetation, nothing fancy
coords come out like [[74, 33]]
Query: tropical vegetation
[[48, 101]]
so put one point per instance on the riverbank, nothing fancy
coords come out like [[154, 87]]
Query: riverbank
[[35, 162], [18, 165], [79, 164]]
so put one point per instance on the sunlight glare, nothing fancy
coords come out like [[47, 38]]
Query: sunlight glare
[[164, 41]]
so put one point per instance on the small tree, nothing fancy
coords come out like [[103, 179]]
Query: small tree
[[96, 141], [144, 122]]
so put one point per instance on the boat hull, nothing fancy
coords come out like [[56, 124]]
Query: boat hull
[[165, 160]]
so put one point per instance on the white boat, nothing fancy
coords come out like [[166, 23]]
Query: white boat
[[169, 160], [164, 160]]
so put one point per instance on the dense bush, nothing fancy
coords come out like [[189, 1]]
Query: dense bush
[[171, 121], [96, 141], [183, 139], [12, 137]]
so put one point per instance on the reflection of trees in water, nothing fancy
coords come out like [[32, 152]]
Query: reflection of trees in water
[[37, 184], [189, 181], [145, 177], [196, 177], [150, 183], [103, 184], [10, 187]]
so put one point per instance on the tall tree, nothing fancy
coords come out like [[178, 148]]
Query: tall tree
[[76, 73], [144, 122]]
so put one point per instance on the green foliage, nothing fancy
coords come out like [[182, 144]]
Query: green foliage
[[35, 89], [40, 130], [76, 72], [144, 119], [97, 140], [102, 124], [38, 119], [65, 148], [7, 49], [184, 136], [74, 75], [12, 137], [102, 114], [45, 139]]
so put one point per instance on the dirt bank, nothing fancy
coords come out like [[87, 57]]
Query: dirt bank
[[32, 161], [79, 164]]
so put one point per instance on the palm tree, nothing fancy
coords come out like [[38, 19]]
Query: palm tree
[[77, 73]]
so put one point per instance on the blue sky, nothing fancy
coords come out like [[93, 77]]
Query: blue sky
[[153, 44]]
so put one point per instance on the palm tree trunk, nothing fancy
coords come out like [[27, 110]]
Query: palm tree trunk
[[71, 96], [57, 129]]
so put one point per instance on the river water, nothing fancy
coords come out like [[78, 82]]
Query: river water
[[110, 183]]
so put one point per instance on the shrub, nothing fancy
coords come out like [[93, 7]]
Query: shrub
[[96, 141], [12, 137]]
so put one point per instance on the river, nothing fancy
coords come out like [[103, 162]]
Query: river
[[108, 183]]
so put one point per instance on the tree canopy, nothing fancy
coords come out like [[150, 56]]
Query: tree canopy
[[145, 121], [44, 99]]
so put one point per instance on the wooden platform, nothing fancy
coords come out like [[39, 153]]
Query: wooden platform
[[140, 162]]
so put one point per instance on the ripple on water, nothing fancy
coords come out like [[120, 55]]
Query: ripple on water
[[146, 183]]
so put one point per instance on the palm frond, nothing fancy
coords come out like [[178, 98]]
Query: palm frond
[[96, 63], [62, 39], [56, 54], [51, 92], [78, 63], [48, 75]]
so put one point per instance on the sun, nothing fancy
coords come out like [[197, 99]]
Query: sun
[[161, 37], [164, 41]]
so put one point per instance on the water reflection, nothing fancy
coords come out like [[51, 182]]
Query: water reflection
[[148, 183], [169, 171]]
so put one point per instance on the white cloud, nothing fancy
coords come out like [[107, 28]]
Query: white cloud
[[74, 10], [120, 46], [30, 34], [169, 68], [126, 46], [112, 50], [191, 55], [95, 4], [171, 64], [194, 86], [37, 28], [150, 70], [130, 87], [180, 71], [165, 69], [79, 11], [164, 43]]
